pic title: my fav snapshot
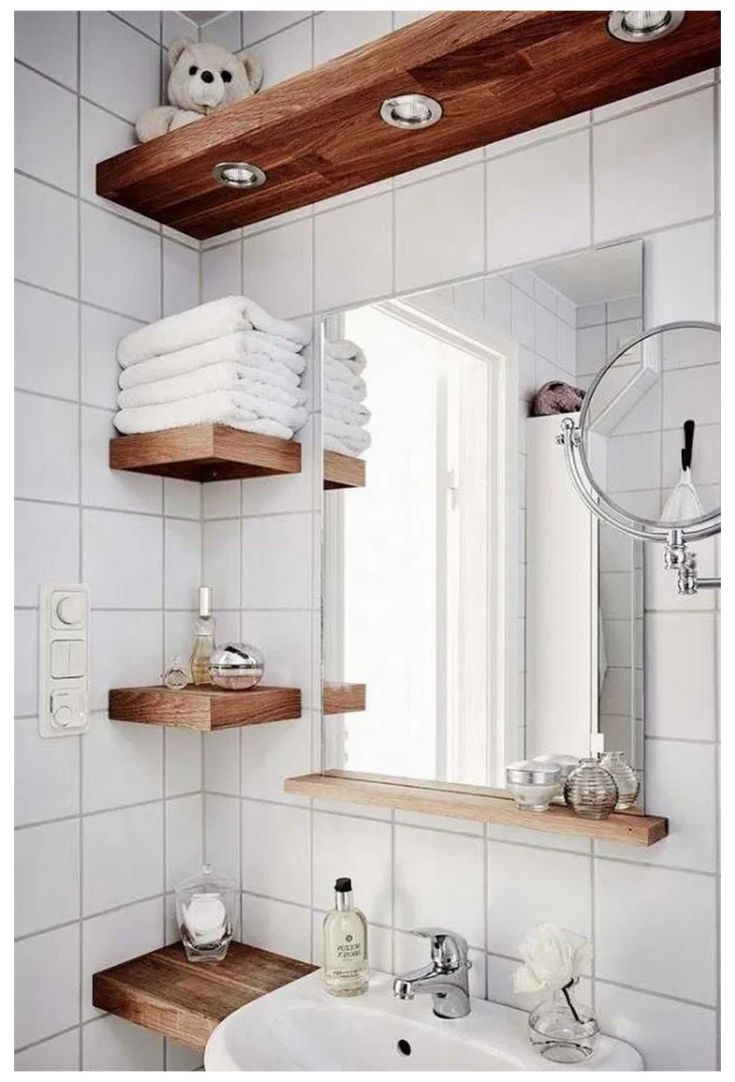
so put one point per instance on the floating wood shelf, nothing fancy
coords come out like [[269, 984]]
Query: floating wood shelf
[[342, 698], [184, 1000], [463, 802], [496, 74], [205, 453], [204, 709], [342, 471]]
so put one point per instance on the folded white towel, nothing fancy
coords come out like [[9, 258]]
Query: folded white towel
[[352, 436], [342, 409], [226, 407], [245, 347], [211, 320], [348, 353], [339, 370], [345, 390], [331, 443], [215, 377]]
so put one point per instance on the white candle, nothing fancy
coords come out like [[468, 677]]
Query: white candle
[[205, 917]]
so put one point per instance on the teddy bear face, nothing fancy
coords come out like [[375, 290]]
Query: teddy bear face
[[205, 76]]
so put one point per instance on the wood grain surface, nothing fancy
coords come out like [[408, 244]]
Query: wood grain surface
[[342, 698], [203, 708], [343, 471]]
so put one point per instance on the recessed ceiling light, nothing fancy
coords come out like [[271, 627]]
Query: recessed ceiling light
[[239, 175], [410, 111], [641, 26]]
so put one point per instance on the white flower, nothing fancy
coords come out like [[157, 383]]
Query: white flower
[[552, 958]]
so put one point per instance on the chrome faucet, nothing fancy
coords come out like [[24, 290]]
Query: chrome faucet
[[445, 978]]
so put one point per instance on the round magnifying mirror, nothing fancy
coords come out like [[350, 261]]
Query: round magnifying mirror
[[641, 454]]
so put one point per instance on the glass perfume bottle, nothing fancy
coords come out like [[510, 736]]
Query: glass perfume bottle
[[346, 970], [204, 641]]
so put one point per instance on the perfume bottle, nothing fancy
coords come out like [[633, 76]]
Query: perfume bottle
[[204, 641], [346, 970]]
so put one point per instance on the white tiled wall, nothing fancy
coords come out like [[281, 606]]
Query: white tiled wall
[[539, 199], [105, 822]]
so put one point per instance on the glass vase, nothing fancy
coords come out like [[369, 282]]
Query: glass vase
[[591, 791], [562, 1030], [206, 913], [625, 776]]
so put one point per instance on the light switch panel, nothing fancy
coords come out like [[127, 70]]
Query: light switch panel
[[63, 660]]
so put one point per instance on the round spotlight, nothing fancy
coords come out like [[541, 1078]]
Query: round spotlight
[[642, 26], [239, 175], [410, 111]]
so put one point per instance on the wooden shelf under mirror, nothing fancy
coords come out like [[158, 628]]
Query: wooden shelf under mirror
[[320, 133], [342, 471], [184, 1000], [204, 708], [343, 698], [464, 802]]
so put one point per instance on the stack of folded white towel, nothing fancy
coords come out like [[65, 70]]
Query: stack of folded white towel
[[344, 415], [226, 361]]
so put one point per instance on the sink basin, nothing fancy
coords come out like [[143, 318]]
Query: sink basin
[[301, 1028]]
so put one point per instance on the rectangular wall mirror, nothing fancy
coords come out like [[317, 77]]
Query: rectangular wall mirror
[[486, 613]]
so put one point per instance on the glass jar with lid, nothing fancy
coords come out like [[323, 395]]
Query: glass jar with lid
[[206, 914]]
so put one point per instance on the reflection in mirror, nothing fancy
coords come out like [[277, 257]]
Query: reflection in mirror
[[487, 613]]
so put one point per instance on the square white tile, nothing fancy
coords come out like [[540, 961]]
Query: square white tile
[[101, 331], [286, 641], [222, 834], [277, 926], [121, 264], [536, 135], [26, 662], [538, 201], [225, 30], [180, 277], [36, 561], [271, 753], [46, 342], [692, 392], [57, 1053], [268, 829], [184, 838], [679, 274], [183, 757], [46, 876], [669, 148], [650, 97], [338, 32], [221, 499], [222, 762], [277, 269], [122, 857], [221, 561], [132, 83], [46, 241], [120, 490], [46, 775], [101, 136], [276, 568], [261, 24], [283, 55], [349, 273], [453, 246], [45, 129], [221, 271], [123, 559], [182, 499], [680, 670], [46, 448], [46, 984], [527, 886], [676, 953], [114, 937], [183, 564], [294, 492], [47, 41], [361, 849], [452, 901], [121, 763], [112, 1044], [148, 22]]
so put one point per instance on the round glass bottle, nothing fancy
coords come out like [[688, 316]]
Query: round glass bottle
[[591, 791], [562, 1030], [625, 776]]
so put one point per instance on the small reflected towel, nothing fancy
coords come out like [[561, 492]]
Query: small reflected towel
[[557, 397]]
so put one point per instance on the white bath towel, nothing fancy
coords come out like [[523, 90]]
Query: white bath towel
[[240, 348], [344, 390], [331, 443], [348, 353], [216, 377], [338, 370], [211, 320], [227, 407], [352, 436], [342, 409]]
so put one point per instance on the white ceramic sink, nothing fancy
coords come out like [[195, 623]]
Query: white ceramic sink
[[301, 1028]]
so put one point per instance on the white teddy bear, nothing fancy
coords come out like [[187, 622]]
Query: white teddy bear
[[204, 77]]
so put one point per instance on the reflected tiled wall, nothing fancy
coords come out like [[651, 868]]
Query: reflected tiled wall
[[644, 166]]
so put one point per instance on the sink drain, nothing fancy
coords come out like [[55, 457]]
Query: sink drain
[[404, 1048]]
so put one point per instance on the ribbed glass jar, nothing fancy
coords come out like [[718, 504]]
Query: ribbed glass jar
[[625, 776], [591, 790]]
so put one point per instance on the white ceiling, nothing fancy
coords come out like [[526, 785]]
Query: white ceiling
[[591, 277]]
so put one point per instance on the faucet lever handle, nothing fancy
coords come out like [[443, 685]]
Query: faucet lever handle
[[448, 949]]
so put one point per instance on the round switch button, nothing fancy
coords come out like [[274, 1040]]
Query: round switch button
[[63, 716], [70, 609]]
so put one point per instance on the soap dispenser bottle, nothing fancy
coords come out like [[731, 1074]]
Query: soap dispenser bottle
[[346, 970], [204, 641]]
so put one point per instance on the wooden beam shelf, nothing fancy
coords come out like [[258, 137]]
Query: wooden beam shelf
[[342, 471], [208, 452], [466, 803], [342, 698], [203, 708], [184, 1000], [495, 73]]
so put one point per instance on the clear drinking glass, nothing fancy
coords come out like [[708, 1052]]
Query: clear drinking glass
[[206, 913]]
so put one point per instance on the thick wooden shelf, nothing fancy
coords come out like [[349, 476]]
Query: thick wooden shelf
[[495, 73], [204, 709], [343, 471], [184, 1000], [342, 698], [462, 802], [205, 453]]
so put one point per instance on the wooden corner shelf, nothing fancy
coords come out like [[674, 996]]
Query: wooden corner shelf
[[464, 802], [342, 471], [203, 709], [184, 1000], [210, 452], [342, 698], [495, 73]]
